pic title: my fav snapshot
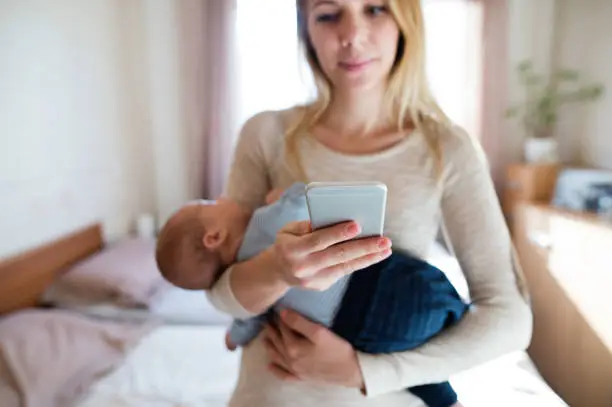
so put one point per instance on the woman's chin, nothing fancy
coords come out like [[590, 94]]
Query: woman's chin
[[357, 83]]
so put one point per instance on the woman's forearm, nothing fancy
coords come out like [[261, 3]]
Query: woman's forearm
[[248, 288], [489, 330]]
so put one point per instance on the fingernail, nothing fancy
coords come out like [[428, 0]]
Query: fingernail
[[384, 243], [352, 228]]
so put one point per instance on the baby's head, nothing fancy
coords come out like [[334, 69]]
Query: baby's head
[[198, 242]]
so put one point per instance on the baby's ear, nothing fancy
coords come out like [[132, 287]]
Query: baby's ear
[[213, 240]]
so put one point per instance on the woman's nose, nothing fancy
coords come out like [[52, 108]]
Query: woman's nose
[[352, 30]]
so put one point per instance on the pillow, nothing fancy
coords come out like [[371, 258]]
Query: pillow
[[54, 356], [124, 273]]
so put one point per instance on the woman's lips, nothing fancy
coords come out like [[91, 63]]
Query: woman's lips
[[354, 66]]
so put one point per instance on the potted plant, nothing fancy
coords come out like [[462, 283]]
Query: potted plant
[[539, 110]]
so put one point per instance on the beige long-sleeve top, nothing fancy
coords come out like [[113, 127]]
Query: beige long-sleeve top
[[500, 320]]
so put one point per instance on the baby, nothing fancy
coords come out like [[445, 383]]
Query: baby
[[203, 238], [394, 305]]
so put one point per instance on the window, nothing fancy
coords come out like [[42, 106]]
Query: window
[[454, 47], [272, 72]]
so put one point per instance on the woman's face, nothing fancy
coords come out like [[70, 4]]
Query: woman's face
[[355, 41]]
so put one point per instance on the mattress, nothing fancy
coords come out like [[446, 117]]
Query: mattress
[[188, 366]]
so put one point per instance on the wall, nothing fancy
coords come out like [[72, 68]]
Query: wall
[[531, 33], [572, 34], [583, 42], [88, 103]]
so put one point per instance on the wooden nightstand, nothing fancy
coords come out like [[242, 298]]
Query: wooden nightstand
[[566, 260], [528, 183]]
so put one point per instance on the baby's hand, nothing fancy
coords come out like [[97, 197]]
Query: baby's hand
[[274, 195], [228, 343]]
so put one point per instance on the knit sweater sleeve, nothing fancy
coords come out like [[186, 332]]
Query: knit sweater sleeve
[[500, 320]]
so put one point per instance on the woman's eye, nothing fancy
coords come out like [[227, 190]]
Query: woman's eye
[[376, 10], [328, 17]]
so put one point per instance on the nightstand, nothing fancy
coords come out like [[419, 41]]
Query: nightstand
[[528, 183], [566, 260]]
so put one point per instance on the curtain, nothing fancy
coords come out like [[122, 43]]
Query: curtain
[[210, 91], [494, 85]]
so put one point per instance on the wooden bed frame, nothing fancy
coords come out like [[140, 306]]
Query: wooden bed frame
[[24, 277]]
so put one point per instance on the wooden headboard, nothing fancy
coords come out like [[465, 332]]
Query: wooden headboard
[[24, 277]]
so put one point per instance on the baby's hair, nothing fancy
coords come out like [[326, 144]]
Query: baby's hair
[[182, 258]]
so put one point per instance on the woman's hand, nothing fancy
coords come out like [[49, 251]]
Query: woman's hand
[[302, 350], [304, 258], [317, 259]]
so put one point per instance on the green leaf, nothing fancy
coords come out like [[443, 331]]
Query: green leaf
[[596, 91], [512, 112], [545, 94], [569, 75], [534, 80], [525, 66]]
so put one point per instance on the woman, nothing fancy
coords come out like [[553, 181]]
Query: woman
[[374, 119]]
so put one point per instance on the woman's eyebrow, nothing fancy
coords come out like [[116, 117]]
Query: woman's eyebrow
[[323, 2]]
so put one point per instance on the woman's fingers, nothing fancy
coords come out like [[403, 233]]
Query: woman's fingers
[[275, 339], [333, 273], [274, 355], [296, 228], [303, 254], [321, 239], [282, 374], [345, 254], [295, 324], [276, 350], [325, 278]]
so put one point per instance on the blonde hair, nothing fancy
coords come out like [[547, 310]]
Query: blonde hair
[[408, 98]]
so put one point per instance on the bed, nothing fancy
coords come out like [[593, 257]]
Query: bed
[[157, 348]]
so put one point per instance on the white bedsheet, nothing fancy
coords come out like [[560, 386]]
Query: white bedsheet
[[189, 366], [175, 366]]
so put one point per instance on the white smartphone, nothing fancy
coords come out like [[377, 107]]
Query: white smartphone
[[330, 203]]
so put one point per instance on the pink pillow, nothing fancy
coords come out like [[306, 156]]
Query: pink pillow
[[124, 273], [55, 356]]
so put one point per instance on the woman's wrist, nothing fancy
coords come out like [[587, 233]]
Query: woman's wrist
[[256, 283], [271, 270]]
